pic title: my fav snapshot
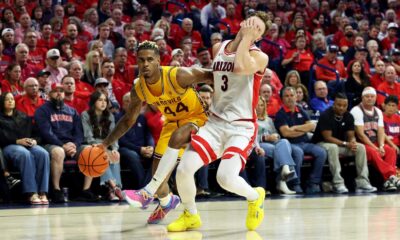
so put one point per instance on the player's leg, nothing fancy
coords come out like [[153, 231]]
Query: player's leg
[[190, 219]]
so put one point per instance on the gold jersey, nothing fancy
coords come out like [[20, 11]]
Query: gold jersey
[[174, 102]]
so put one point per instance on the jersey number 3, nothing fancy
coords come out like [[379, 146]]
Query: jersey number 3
[[224, 86], [179, 108]]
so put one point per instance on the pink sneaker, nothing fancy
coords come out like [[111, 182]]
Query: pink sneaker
[[159, 213], [138, 198]]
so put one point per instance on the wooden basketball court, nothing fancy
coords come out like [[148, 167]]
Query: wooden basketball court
[[337, 217]]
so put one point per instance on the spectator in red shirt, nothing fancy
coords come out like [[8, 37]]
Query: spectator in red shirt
[[48, 40], [165, 54], [390, 86], [330, 60], [231, 19], [391, 119], [116, 88], [379, 76], [82, 89], [30, 101], [187, 31], [140, 33], [90, 21], [271, 78], [300, 59], [123, 71], [130, 45], [79, 47], [188, 59], [388, 43], [344, 21], [12, 80], [273, 103], [348, 38], [22, 57], [37, 56], [79, 104]]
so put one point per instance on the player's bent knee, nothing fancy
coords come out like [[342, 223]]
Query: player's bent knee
[[57, 154], [223, 179]]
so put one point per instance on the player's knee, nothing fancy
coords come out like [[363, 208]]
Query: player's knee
[[223, 179], [57, 155]]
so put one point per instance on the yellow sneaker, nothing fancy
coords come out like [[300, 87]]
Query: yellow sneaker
[[255, 212], [185, 222]]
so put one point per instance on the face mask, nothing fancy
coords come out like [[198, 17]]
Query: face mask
[[58, 104]]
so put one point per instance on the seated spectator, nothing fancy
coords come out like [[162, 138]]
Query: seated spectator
[[71, 99], [358, 44], [395, 60], [391, 119], [285, 160], [37, 55], [231, 19], [294, 124], [104, 34], [130, 45], [273, 103], [373, 52], [21, 149], [215, 38], [187, 31], [335, 133], [53, 63], [97, 123], [7, 36], [82, 89], [177, 55], [78, 46], [124, 72], [30, 101], [292, 79], [379, 76], [4, 60], [44, 87], [48, 39], [165, 51], [357, 80], [388, 42], [302, 98], [213, 10], [369, 126], [204, 58], [361, 56], [319, 46], [140, 31], [300, 59], [390, 86], [92, 67], [136, 147], [347, 41], [61, 132], [271, 78], [90, 21], [66, 52], [188, 58], [320, 102], [277, 35], [116, 88], [102, 85], [12, 80], [22, 58], [330, 60]]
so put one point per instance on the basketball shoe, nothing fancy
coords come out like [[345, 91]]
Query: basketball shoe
[[255, 212], [185, 222], [138, 198], [160, 212]]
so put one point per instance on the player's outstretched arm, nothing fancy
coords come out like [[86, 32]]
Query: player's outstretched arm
[[249, 62], [186, 77], [126, 122]]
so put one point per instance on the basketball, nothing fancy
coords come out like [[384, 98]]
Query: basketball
[[93, 161]]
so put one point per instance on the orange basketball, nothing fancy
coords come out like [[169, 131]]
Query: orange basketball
[[93, 161]]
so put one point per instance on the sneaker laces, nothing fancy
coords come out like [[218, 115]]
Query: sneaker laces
[[144, 194], [158, 210]]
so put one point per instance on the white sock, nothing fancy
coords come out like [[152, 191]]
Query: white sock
[[165, 166], [165, 200]]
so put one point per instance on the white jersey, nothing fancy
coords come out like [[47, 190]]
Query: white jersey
[[235, 96]]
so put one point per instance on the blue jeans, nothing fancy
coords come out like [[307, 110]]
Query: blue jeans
[[141, 174], [34, 165], [319, 155], [282, 154], [113, 172], [259, 176]]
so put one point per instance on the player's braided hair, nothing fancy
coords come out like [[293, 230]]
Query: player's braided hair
[[264, 17], [148, 45]]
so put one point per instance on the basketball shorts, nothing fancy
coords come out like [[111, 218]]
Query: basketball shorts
[[221, 139], [170, 127]]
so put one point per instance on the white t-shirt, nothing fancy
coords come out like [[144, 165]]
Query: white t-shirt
[[359, 116]]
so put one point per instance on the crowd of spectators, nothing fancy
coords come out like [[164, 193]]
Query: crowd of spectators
[[66, 69]]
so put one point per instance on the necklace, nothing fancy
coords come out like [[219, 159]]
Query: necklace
[[338, 118]]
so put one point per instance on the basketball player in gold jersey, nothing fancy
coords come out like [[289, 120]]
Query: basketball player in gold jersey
[[170, 90]]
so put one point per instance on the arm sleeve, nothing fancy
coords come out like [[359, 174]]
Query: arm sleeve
[[380, 121], [42, 120], [87, 129], [115, 145], [358, 116]]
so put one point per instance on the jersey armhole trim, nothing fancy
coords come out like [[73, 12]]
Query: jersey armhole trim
[[171, 84]]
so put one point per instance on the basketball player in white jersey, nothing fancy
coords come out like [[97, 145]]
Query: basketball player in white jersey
[[231, 129]]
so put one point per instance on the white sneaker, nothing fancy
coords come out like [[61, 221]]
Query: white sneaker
[[340, 189], [366, 189], [283, 188]]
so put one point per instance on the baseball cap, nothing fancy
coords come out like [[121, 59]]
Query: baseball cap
[[55, 86], [333, 48], [42, 73], [52, 53], [395, 51], [176, 51], [7, 30], [393, 25], [101, 81]]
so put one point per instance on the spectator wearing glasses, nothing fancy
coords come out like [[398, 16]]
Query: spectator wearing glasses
[[53, 62], [330, 60], [31, 100]]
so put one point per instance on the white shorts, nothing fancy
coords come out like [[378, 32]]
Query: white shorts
[[221, 139]]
